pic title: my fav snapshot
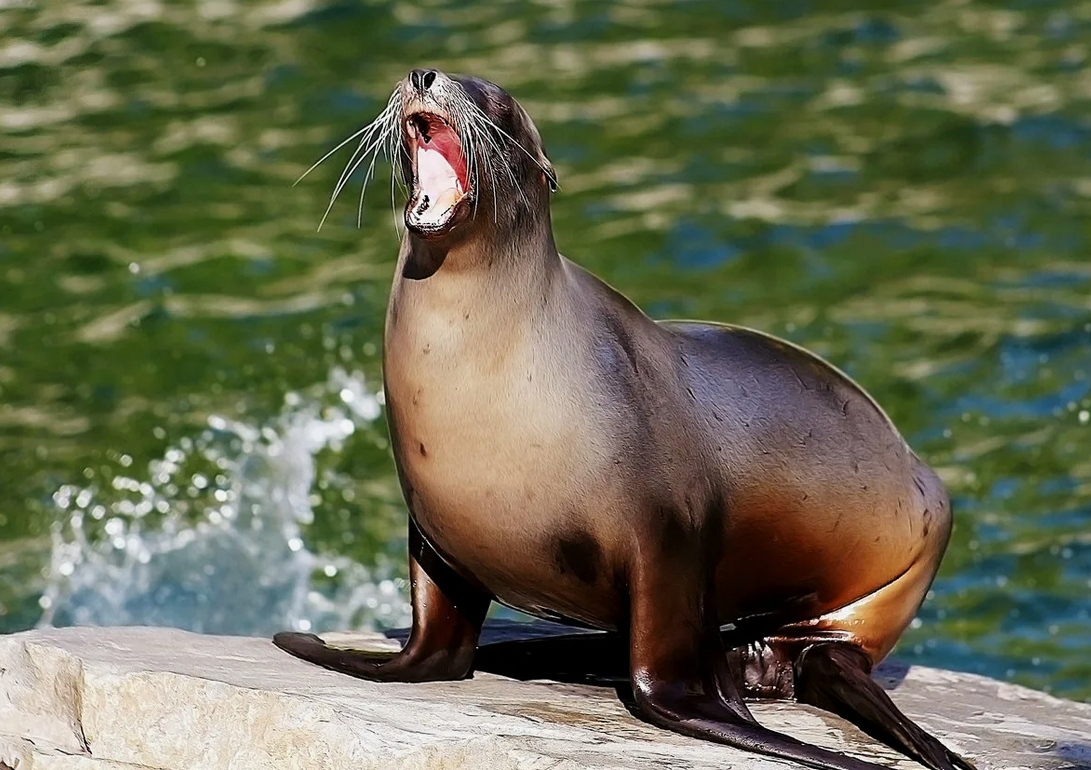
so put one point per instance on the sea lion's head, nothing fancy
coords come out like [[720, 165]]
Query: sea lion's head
[[471, 155], [468, 155]]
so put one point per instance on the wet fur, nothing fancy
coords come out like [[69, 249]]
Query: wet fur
[[565, 455]]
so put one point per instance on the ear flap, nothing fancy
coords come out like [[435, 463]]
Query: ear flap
[[551, 177], [548, 172]]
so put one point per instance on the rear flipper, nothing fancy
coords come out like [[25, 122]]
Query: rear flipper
[[836, 677]]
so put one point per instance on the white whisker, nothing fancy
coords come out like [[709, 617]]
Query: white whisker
[[321, 160], [373, 141], [394, 98], [350, 169]]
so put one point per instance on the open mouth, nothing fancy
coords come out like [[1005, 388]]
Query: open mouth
[[439, 171]]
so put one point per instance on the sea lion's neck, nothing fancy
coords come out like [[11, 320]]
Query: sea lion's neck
[[507, 278], [484, 249]]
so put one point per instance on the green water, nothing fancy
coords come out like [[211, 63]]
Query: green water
[[902, 187]]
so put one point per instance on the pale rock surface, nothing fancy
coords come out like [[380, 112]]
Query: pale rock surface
[[154, 698]]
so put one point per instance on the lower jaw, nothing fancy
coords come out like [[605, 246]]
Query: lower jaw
[[432, 227], [426, 231]]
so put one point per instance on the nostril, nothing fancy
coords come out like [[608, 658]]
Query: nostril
[[429, 78], [414, 79]]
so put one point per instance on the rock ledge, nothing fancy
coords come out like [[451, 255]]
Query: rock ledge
[[157, 698]]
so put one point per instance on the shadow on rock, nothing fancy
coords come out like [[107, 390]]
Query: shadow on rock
[[544, 650]]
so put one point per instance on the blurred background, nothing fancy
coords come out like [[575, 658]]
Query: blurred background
[[190, 427]]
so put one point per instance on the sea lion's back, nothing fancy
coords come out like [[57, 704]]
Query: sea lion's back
[[811, 461]]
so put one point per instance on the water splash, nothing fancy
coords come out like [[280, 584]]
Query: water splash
[[210, 539]]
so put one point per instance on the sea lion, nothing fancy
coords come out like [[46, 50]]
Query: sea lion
[[567, 456]]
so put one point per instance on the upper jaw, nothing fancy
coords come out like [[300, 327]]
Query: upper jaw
[[415, 105]]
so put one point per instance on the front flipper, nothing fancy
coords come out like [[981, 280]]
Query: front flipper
[[837, 678], [447, 617], [678, 666]]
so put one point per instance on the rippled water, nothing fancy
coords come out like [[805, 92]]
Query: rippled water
[[189, 430]]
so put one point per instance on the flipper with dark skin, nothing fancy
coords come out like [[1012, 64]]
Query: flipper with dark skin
[[447, 617], [835, 677]]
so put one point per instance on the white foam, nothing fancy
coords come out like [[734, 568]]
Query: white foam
[[209, 537]]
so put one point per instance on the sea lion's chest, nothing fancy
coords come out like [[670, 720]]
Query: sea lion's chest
[[490, 437]]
